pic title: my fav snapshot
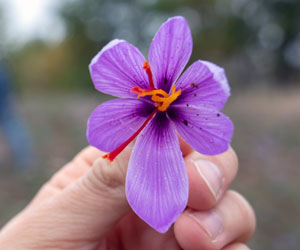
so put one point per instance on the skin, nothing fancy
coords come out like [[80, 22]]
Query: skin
[[83, 206]]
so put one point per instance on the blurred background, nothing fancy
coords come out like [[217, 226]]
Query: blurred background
[[46, 94]]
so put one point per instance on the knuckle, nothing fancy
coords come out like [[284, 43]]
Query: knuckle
[[107, 174]]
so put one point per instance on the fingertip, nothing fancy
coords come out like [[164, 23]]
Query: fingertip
[[186, 149], [190, 236], [236, 246], [248, 214], [229, 159], [215, 228]]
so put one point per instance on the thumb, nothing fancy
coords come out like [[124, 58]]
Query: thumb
[[97, 200], [80, 213]]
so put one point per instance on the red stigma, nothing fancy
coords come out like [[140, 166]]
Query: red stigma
[[147, 68], [139, 90], [112, 155]]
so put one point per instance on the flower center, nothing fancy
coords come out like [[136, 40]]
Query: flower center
[[159, 96]]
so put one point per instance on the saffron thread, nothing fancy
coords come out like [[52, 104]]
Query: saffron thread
[[147, 68]]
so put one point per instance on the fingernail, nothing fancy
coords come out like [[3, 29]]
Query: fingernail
[[210, 222], [212, 176]]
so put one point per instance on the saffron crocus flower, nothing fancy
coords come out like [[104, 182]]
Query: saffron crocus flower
[[155, 103]]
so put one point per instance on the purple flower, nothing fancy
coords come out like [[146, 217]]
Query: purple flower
[[154, 108]]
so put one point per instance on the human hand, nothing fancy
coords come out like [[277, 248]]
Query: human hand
[[84, 206]]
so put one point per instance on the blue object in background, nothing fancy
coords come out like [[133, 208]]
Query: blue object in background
[[12, 125]]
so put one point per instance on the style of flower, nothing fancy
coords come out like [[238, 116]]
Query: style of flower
[[155, 105]]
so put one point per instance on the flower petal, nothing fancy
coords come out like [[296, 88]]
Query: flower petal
[[114, 121], [170, 51], [117, 68], [203, 83], [206, 130], [156, 182]]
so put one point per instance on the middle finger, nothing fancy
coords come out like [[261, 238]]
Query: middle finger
[[209, 177]]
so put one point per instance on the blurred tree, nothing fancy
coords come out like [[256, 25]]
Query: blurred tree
[[253, 38], [1, 31], [90, 24], [256, 41]]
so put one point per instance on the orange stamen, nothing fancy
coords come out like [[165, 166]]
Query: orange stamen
[[159, 96], [112, 155], [147, 68], [147, 92], [166, 102]]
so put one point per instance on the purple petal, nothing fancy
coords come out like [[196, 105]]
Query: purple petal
[[156, 183], [203, 83], [117, 68], [206, 130], [114, 121], [170, 51]]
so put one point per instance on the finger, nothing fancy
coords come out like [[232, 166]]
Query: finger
[[236, 246], [68, 174], [209, 177], [80, 165], [95, 202], [232, 220], [88, 207]]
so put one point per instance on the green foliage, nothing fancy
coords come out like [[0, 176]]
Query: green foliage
[[252, 39]]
